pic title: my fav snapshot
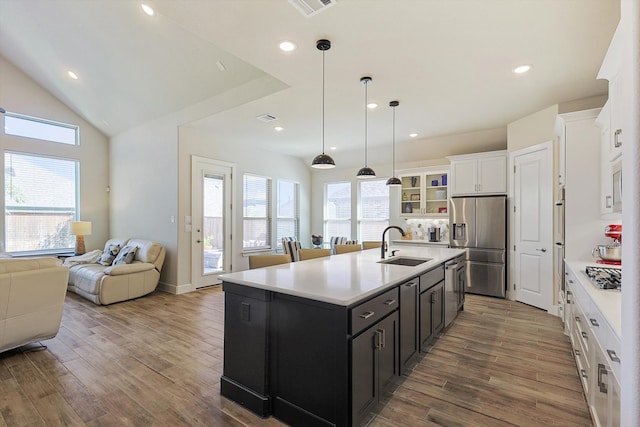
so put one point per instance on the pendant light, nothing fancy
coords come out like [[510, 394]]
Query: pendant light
[[394, 180], [323, 161], [366, 171]]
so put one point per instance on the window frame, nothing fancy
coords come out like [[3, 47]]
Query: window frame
[[76, 208], [268, 244], [279, 217], [42, 121], [360, 219], [346, 220]]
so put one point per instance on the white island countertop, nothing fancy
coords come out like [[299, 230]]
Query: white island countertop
[[608, 301], [342, 279]]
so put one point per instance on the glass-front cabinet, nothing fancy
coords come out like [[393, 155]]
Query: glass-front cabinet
[[424, 193]]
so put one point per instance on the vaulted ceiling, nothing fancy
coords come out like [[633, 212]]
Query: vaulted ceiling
[[448, 62]]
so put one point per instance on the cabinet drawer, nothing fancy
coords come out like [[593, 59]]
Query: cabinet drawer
[[430, 278], [368, 313]]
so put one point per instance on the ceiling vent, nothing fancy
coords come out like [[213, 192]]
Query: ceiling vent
[[311, 7], [267, 118]]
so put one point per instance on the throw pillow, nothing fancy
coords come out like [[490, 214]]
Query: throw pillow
[[126, 255], [109, 254]]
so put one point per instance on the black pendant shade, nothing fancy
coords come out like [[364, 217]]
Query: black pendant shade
[[323, 161], [366, 171], [394, 180]]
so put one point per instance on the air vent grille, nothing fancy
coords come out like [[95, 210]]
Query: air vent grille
[[267, 118], [311, 7]]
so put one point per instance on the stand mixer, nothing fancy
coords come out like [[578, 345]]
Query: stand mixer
[[612, 253]]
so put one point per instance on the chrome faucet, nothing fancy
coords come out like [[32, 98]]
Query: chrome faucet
[[382, 248]]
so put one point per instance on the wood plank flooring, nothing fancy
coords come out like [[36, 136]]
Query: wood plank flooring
[[157, 361]]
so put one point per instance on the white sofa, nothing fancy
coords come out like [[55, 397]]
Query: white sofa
[[105, 285], [32, 292]]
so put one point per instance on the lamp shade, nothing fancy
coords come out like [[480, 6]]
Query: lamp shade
[[80, 228]]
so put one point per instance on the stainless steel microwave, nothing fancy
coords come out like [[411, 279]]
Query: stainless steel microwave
[[616, 182]]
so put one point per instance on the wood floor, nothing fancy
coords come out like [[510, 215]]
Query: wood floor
[[157, 360]]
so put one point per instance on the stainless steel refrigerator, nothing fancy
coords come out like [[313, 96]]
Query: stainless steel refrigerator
[[479, 224]]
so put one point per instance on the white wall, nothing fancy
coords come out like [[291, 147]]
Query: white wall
[[20, 94], [199, 142]]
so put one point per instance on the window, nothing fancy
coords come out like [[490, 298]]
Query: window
[[46, 130], [337, 209], [40, 200], [373, 212], [256, 212], [288, 215]]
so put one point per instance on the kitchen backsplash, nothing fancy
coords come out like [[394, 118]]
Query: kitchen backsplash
[[419, 227]]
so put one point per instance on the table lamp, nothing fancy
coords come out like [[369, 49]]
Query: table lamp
[[80, 229]]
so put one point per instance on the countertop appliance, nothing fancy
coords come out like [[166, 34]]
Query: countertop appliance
[[612, 253], [605, 277], [479, 224]]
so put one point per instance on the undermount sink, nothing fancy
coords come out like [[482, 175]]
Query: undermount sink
[[411, 262]]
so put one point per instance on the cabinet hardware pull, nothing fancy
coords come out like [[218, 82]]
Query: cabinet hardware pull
[[584, 335], [613, 356], [616, 138], [602, 370], [571, 281], [383, 338], [607, 201], [569, 293], [367, 314], [411, 284], [376, 343], [577, 352], [594, 322], [578, 319], [390, 302], [583, 373]]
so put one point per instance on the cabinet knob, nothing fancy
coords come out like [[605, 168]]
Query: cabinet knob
[[613, 356]]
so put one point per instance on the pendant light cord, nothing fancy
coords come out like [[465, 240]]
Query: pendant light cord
[[366, 99], [394, 142], [323, 102]]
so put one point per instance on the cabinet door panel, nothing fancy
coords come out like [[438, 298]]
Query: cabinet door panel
[[388, 353], [437, 313], [463, 177], [408, 321], [364, 384], [426, 324], [492, 175]]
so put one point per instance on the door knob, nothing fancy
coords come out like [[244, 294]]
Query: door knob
[[198, 241], [541, 250]]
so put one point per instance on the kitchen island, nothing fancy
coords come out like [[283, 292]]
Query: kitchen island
[[318, 342]]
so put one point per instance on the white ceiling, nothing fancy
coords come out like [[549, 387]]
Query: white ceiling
[[448, 62]]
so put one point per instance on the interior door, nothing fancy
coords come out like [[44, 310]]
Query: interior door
[[211, 221], [533, 213]]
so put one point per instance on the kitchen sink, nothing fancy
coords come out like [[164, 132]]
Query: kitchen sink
[[408, 261]]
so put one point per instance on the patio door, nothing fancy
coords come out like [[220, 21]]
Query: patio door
[[211, 220]]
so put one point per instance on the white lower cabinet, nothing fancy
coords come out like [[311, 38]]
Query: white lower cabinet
[[596, 349]]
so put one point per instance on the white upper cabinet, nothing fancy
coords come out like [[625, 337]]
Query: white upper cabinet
[[480, 173], [424, 192], [612, 70]]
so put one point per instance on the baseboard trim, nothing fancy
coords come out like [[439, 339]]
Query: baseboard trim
[[175, 289]]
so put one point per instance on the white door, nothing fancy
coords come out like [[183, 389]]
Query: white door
[[533, 229], [211, 220]]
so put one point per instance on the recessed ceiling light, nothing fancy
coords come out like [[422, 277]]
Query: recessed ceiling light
[[147, 9], [332, 148], [278, 128], [372, 105], [413, 135], [287, 46], [521, 69], [73, 75]]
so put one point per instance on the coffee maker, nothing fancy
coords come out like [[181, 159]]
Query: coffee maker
[[434, 233]]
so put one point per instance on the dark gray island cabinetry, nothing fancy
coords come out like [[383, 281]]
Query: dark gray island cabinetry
[[313, 350]]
